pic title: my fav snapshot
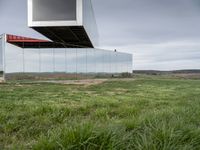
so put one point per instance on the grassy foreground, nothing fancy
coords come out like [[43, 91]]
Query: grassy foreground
[[141, 114]]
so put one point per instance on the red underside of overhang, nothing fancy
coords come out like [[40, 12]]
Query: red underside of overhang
[[20, 39], [26, 42]]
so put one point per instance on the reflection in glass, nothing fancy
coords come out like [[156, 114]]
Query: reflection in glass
[[60, 60], [47, 60], [81, 61], [106, 61], [98, 58], [1, 53], [91, 65], [31, 60], [74, 61], [71, 60], [13, 59]]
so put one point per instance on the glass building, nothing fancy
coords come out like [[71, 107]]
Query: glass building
[[31, 58]]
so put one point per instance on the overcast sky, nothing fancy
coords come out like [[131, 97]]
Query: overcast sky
[[161, 34]]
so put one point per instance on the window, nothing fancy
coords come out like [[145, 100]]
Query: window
[[54, 10]]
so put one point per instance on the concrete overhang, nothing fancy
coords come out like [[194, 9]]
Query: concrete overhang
[[71, 22]]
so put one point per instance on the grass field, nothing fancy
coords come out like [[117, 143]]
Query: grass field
[[141, 114]]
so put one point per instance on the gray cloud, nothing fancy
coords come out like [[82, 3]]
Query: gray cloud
[[155, 31], [161, 34]]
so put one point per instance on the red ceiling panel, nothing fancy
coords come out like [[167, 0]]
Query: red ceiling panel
[[20, 39]]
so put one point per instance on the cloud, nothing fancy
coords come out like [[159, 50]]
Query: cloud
[[156, 32]]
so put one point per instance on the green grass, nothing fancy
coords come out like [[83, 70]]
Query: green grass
[[141, 114]]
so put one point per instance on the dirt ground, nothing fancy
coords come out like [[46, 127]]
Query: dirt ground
[[1, 80], [86, 82]]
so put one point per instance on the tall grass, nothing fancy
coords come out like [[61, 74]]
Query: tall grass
[[143, 114]]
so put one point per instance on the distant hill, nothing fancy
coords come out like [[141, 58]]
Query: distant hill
[[157, 72]]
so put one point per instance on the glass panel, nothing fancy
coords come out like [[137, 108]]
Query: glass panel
[[110, 62], [123, 64], [106, 62], [54, 10], [99, 61], [81, 61], [118, 62], [95, 60], [1, 54], [14, 59], [113, 62], [60, 60], [71, 60], [31, 60], [103, 61], [91, 61], [129, 64], [47, 60]]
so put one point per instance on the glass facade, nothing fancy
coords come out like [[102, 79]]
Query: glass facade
[[81, 62], [1, 53]]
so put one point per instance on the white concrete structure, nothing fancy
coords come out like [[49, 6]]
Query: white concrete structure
[[68, 21]]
